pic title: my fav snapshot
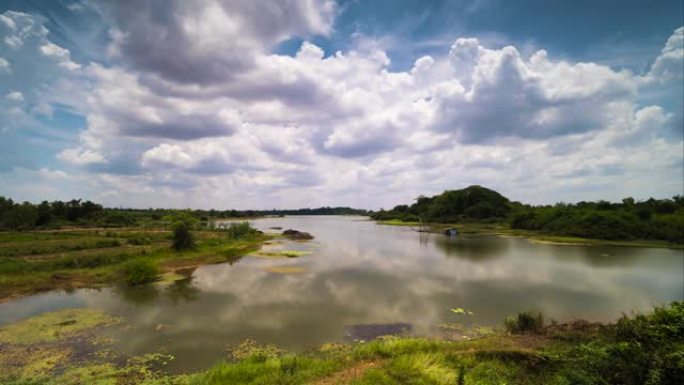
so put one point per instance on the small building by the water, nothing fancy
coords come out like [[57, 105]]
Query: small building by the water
[[451, 232]]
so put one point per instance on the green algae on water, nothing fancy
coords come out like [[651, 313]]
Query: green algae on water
[[54, 326]]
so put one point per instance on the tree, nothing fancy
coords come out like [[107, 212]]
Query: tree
[[44, 213], [21, 217], [182, 238], [182, 222]]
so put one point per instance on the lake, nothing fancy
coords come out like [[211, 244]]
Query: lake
[[356, 272]]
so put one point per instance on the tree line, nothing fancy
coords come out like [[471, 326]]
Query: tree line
[[76, 212], [659, 219]]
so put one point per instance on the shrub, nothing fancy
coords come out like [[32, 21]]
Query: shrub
[[182, 238], [239, 230], [524, 322], [140, 271], [642, 349]]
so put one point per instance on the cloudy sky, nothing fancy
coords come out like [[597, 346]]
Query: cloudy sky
[[299, 103]]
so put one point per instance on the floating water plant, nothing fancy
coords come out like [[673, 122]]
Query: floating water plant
[[460, 310]]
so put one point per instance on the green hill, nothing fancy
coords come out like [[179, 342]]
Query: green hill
[[471, 203]]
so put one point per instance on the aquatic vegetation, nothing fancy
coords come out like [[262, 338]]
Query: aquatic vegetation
[[31, 362], [54, 326], [240, 230], [31, 349], [169, 278], [457, 330], [282, 253], [524, 322], [641, 349], [251, 350], [294, 253], [460, 310]]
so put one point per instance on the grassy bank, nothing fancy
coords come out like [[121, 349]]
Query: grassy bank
[[503, 229], [43, 260], [640, 349]]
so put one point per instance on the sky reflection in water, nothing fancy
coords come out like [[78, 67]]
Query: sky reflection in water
[[362, 273]]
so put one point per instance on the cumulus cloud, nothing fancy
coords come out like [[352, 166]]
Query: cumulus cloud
[[61, 55], [18, 27], [196, 103], [669, 66], [498, 93], [208, 40]]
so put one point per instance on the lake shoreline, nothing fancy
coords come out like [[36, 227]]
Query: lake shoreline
[[68, 347], [533, 236], [94, 258]]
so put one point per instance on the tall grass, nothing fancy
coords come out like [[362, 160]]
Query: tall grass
[[524, 322], [239, 230]]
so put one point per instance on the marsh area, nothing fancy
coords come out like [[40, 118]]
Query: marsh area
[[300, 295]]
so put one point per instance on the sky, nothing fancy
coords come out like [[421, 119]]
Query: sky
[[260, 104]]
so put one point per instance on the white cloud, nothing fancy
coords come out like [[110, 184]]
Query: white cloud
[[52, 174], [669, 66], [79, 156], [209, 40], [188, 110], [15, 96], [5, 66], [41, 74], [62, 55], [17, 27], [396, 129]]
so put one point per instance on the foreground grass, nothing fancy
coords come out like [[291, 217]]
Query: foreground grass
[[36, 261], [503, 229], [641, 349]]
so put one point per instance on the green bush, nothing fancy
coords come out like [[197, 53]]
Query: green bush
[[524, 322], [642, 349], [182, 238], [140, 271], [240, 230]]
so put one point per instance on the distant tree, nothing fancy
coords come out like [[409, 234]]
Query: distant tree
[[73, 209], [181, 224], [58, 209], [44, 213], [20, 217], [5, 204], [182, 238]]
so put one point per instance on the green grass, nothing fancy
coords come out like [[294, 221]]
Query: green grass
[[639, 349], [642, 349], [524, 322], [398, 222], [37, 261]]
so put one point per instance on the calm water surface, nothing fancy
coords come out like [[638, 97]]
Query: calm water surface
[[359, 272]]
